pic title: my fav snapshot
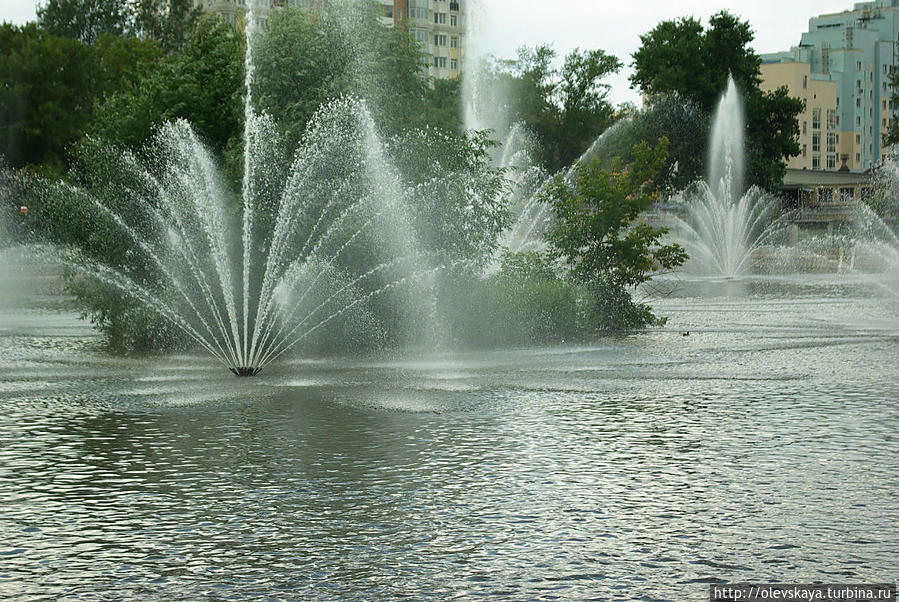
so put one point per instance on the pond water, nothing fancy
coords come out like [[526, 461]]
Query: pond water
[[761, 447]]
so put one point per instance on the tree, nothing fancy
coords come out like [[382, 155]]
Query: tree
[[596, 234], [306, 58], [674, 117], [51, 87], [566, 108], [203, 83], [680, 56], [46, 97], [444, 106], [84, 20], [167, 21]]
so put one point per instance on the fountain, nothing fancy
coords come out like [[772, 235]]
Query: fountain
[[249, 276], [724, 225]]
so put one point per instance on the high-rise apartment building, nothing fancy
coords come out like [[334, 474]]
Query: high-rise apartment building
[[841, 69], [438, 25]]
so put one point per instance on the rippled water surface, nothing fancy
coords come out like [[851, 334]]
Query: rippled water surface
[[761, 447]]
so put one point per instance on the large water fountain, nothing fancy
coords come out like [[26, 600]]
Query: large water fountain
[[314, 235]]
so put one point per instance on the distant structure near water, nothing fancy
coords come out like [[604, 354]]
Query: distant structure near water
[[438, 25], [841, 69]]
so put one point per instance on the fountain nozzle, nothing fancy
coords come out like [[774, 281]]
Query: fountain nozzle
[[246, 370]]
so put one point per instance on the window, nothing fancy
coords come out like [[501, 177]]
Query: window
[[440, 18], [804, 149], [847, 194], [858, 103], [439, 39], [831, 119], [858, 138], [454, 64], [831, 142], [858, 122], [454, 42], [858, 158], [858, 65], [858, 84], [418, 9], [816, 119], [816, 161], [804, 82], [816, 143], [454, 20], [831, 162], [804, 129], [825, 195], [440, 62]]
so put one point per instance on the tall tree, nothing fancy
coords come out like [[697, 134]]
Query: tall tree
[[51, 87], [305, 58], [202, 84], [566, 108], [84, 20], [169, 22], [680, 56]]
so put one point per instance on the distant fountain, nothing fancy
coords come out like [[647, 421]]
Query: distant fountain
[[723, 226]]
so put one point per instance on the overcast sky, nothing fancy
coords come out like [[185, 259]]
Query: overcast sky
[[615, 26]]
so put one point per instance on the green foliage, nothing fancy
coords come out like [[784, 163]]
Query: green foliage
[[444, 106], [306, 58], [524, 303], [597, 236], [166, 21], [47, 95], [84, 20], [772, 135], [671, 116], [457, 207], [52, 85], [169, 22], [201, 83], [680, 56], [566, 108]]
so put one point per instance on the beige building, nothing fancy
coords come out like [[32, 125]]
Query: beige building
[[439, 26], [824, 142]]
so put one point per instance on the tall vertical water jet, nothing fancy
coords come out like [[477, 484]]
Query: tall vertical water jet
[[723, 225], [727, 146]]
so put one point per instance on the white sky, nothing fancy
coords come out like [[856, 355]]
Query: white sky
[[613, 25]]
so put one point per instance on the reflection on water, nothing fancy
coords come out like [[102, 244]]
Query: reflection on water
[[760, 447]]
